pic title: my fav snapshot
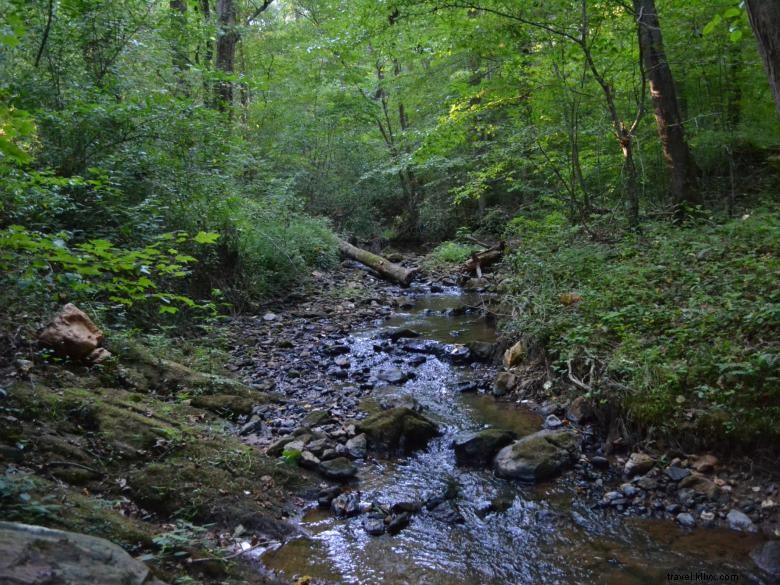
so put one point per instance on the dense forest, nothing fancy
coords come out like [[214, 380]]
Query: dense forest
[[175, 167]]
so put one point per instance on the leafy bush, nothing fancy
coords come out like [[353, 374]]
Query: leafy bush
[[679, 324], [46, 267]]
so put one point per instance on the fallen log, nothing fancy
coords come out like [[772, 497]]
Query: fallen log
[[382, 266], [480, 260]]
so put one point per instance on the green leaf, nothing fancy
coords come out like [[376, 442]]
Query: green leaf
[[206, 237], [735, 36], [710, 26], [732, 12]]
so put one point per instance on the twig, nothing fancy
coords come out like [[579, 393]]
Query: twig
[[577, 382]]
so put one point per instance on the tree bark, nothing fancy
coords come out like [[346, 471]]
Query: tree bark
[[682, 168], [227, 39], [385, 268], [764, 17]]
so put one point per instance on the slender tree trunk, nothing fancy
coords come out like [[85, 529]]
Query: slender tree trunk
[[765, 19], [682, 168], [178, 26], [227, 39]]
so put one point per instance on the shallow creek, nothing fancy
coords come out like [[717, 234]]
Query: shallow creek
[[539, 534]]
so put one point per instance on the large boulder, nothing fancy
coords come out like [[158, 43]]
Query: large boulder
[[638, 464], [398, 429], [539, 456], [72, 334], [33, 555], [480, 447]]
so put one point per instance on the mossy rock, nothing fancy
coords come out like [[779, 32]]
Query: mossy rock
[[142, 370], [398, 429], [229, 405]]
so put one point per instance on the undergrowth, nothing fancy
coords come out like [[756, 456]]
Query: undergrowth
[[677, 325]]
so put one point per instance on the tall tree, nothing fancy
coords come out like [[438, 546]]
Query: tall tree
[[765, 19], [682, 167]]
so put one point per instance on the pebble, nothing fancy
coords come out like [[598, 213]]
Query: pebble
[[685, 519]]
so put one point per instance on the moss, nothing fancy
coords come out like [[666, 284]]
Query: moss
[[229, 405]]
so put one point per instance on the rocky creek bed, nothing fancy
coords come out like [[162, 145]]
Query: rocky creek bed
[[425, 477], [377, 435]]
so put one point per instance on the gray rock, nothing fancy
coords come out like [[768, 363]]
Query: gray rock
[[552, 422], [316, 418], [448, 513], [767, 557], [676, 473], [538, 456], [685, 519], [397, 522], [479, 448], [393, 376], [580, 410], [505, 382], [33, 555], [638, 464], [398, 429], [339, 469], [740, 521], [346, 504], [374, 526], [308, 460], [629, 490], [357, 446], [482, 351]]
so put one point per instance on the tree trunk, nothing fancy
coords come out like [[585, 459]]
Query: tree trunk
[[765, 19], [178, 28], [227, 39], [682, 168], [385, 268]]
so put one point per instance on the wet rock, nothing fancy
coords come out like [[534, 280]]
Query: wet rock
[[647, 483], [599, 462], [397, 522], [579, 410], [504, 384], [398, 429], [71, 334], [268, 317], [375, 526], [456, 354], [767, 557], [707, 517], [700, 485], [357, 446], [686, 520], [403, 333], [417, 360], [538, 456], [478, 448], [448, 513], [390, 397], [740, 521], [676, 473], [638, 464], [515, 355], [346, 504], [482, 351], [629, 490], [465, 387], [327, 495], [393, 376], [405, 506], [705, 463], [552, 422], [339, 469], [475, 284]]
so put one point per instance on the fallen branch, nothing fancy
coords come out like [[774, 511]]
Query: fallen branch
[[480, 260], [574, 380], [382, 266]]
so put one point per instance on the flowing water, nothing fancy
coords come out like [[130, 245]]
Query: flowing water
[[536, 534]]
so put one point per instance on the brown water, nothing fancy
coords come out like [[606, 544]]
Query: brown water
[[545, 534]]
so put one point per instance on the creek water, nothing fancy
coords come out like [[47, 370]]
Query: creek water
[[535, 534]]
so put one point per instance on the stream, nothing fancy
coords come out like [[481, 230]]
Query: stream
[[510, 532]]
